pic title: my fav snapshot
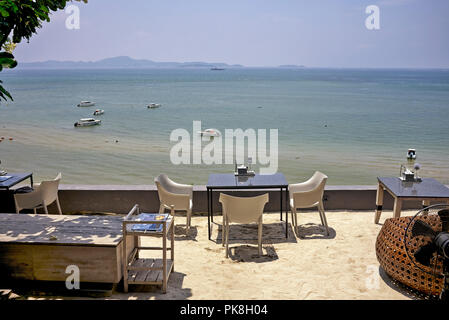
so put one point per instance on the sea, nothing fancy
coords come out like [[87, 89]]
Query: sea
[[354, 125]]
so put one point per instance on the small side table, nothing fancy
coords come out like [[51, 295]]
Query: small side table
[[426, 191], [142, 271]]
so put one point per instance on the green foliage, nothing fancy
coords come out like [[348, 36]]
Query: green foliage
[[20, 19], [9, 46]]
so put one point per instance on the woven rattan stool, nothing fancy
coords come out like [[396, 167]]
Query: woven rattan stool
[[393, 258]]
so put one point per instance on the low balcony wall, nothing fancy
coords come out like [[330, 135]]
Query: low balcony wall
[[121, 198]]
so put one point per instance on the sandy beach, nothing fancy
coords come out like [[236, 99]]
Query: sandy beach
[[308, 265]]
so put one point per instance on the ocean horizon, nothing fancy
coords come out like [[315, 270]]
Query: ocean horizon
[[352, 124]]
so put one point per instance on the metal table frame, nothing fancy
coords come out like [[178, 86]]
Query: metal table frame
[[15, 179], [398, 199], [210, 203]]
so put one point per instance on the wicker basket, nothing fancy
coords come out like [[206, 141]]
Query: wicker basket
[[394, 260]]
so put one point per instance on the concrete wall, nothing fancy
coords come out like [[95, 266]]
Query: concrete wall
[[120, 199]]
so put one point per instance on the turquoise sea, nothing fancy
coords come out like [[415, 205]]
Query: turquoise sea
[[352, 124]]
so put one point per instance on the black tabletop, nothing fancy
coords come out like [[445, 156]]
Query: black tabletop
[[14, 179], [230, 181], [427, 188]]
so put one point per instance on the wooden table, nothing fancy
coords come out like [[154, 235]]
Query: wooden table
[[427, 190], [229, 181], [137, 270]]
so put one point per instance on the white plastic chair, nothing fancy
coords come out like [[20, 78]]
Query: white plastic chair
[[42, 196], [242, 210], [175, 196], [308, 194]]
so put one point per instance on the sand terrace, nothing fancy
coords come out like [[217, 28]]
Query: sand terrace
[[311, 266]]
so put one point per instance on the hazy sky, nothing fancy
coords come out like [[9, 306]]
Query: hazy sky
[[324, 33]]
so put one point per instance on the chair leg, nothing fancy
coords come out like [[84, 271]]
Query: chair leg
[[188, 220], [294, 218], [34, 211], [260, 237], [59, 205], [227, 239], [45, 209], [323, 214], [16, 205], [223, 231], [161, 208]]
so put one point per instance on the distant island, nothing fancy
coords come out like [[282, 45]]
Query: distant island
[[121, 63], [291, 66]]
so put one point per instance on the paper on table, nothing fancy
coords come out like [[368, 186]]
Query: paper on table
[[4, 178], [155, 227]]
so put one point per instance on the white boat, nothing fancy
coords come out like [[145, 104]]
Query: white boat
[[153, 105], [87, 122], [86, 104], [210, 133], [98, 112]]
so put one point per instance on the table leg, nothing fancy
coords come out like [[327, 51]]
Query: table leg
[[164, 261], [397, 207], [211, 205], [425, 204], [136, 240], [208, 212], [125, 261], [286, 212], [280, 200], [172, 244], [379, 202]]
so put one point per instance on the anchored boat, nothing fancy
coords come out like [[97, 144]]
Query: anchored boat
[[86, 104], [87, 122]]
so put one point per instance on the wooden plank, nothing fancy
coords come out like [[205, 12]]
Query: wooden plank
[[141, 274], [60, 229], [155, 275], [49, 263], [95, 264], [16, 261], [151, 276]]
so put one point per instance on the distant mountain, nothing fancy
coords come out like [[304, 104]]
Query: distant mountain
[[120, 63], [291, 66]]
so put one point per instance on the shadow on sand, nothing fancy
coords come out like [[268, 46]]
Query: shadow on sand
[[310, 231]]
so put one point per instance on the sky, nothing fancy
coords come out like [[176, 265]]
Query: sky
[[325, 33]]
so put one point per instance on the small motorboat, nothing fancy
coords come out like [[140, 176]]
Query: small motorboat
[[210, 133], [87, 122], [153, 105], [98, 112], [86, 104]]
